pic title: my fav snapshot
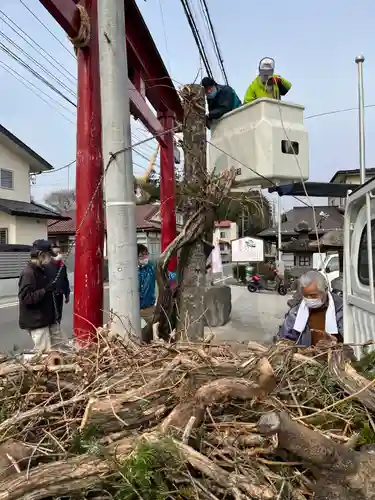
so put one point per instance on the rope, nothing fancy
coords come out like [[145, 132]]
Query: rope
[[83, 37]]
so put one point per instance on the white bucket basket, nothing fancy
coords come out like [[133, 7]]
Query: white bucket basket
[[263, 141]]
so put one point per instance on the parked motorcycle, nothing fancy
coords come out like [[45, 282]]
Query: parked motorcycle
[[256, 284]]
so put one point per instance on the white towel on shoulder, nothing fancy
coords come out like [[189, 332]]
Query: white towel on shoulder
[[303, 317]]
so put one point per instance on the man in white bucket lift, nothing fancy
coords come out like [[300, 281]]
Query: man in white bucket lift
[[267, 84], [221, 99]]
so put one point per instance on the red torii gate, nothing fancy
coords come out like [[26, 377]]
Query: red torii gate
[[148, 77]]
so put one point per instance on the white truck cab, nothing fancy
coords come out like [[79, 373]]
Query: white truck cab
[[331, 268], [359, 291]]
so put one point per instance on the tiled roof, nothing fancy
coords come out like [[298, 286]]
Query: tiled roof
[[143, 214], [345, 173], [24, 209], [223, 223], [335, 220]]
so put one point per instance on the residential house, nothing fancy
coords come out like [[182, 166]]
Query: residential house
[[347, 177], [297, 252], [21, 220], [225, 232], [148, 221]]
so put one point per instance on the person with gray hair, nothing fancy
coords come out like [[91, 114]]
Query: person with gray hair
[[316, 315]]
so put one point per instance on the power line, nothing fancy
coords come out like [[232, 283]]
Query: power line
[[214, 39], [35, 45], [38, 64], [336, 111], [197, 37], [35, 73], [46, 27], [165, 35], [36, 90], [58, 169]]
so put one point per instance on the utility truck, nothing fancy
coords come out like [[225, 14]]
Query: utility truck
[[267, 144]]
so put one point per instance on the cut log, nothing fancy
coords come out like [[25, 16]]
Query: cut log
[[220, 391], [341, 473]]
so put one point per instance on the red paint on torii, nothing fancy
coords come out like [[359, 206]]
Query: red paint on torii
[[148, 77]]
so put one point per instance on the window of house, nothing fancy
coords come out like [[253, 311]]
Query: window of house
[[3, 236], [222, 234], [362, 267], [6, 178], [304, 261]]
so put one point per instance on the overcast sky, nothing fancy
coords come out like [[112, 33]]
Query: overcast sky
[[314, 45]]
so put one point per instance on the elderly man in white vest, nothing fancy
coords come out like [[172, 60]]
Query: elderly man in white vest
[[316, 315]]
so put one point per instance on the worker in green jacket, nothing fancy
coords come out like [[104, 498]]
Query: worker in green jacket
[[267, 84]]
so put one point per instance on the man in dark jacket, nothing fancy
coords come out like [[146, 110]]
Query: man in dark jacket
[[37, 311], [221, 99]]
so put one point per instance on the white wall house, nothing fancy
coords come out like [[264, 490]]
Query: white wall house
[[347, 177], [225, 232], [21, 220]]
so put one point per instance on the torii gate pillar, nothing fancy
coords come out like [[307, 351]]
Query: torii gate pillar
[[88, 268]]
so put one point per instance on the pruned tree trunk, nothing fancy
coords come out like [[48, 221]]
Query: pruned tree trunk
[[341, 473], [192, 265]]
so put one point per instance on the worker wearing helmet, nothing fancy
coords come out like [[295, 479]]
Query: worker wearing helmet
[[267, 84], [221, 99]]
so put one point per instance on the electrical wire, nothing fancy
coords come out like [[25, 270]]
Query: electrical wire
[[251, 169], [211, 30], [197, 37], [336, 111], [165, 35], [36, 90], [46, 27], [38, 64], [302, 181], [57, 169], [14, 56], [36, 46]]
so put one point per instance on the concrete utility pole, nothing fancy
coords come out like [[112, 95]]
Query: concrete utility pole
[[192, 258], [279, 241], [362, 169], [361, 118], [119, 193]]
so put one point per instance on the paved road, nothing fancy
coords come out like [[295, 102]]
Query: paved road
[[254, 317]]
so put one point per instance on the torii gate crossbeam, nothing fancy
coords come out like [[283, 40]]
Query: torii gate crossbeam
[[149, 78]]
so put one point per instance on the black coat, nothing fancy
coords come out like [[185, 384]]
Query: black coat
[[57, 269], [36, 307], [225, 101]]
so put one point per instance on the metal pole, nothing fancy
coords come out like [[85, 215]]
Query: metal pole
[[361, 115], [88, 268], [362, 166], [119, 191], [279, 252]]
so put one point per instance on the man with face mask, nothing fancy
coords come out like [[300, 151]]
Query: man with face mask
[[37, 311], [267, 84], [221, 99], [147, 282], [316, 315]]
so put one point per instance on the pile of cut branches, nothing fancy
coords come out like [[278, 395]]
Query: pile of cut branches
[[186, 421]]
